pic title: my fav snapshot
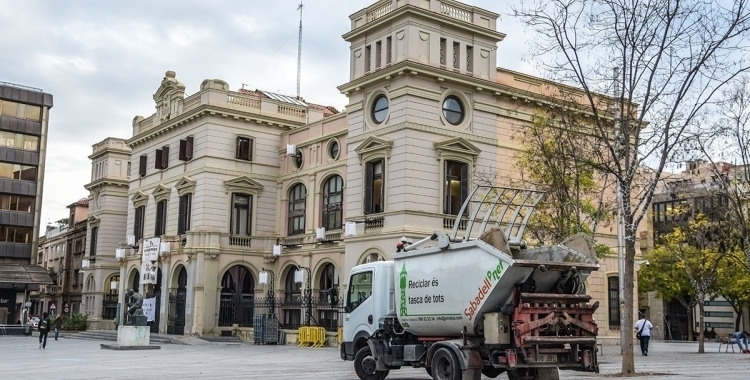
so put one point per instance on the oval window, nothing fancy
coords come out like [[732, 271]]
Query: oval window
[[333, 149], [453, 110], [298, 159], [379, 109]]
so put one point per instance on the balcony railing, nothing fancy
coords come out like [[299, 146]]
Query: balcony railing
[[449, 222], [373, 223], [455, 12], [379, 12], [240, 240]]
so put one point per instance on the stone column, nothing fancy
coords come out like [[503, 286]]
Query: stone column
[[198, 294], [210, 284]]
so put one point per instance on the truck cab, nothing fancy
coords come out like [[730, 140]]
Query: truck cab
[[369, 300]]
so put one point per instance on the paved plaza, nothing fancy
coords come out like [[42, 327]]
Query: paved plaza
[[83, 359]]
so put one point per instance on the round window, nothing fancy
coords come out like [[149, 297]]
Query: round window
[[298, 159], [379, 109], [453, 110], [333, 149]]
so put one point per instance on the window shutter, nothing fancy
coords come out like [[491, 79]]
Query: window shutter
[[158, 160], [165, 157], [159, 214], [464, 186], [189, 148], [249, 150], [183, 222], [368, 188], [446, 188], [142, 165], [138, 224], [182, 156]]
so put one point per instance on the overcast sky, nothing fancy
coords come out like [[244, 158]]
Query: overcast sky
[[103, 60]]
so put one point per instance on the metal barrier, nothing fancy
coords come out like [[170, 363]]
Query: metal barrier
[[311, 336]]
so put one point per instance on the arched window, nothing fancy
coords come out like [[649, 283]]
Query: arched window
[[328, 279], [136, 281], [237, 301], [296, 224], [329, 283], [292, 306], [333, 196]]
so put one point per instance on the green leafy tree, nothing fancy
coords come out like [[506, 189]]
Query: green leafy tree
[[574, 193], [733, 283]]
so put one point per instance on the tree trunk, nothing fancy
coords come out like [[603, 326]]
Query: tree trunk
[[690, 322], [737, 321], [701, 348], [628, 360]]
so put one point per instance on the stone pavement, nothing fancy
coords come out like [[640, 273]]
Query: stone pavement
[[82, 359]]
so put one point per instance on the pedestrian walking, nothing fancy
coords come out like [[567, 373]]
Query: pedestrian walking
[[58, 324], [643, 328], [44, 326]]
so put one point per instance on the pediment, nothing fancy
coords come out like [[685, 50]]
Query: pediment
[[161, 192], [374, 144], [185, 185], [139, 199], [170, 88], [243, 184], [93, 221], [457, 146]]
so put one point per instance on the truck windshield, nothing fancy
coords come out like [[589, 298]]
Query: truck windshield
[[360, 289]]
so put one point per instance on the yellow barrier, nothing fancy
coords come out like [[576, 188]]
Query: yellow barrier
[[341, 335], [311, 336]]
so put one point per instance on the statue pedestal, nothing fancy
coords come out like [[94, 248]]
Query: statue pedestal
[[132, 338]]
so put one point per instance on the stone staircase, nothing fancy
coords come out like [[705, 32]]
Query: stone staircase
[[221, 339], [111, 335]]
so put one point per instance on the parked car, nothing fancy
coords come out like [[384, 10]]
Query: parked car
[[35, 322]]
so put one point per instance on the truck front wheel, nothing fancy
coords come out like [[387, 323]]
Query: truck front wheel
[[364, 365], [445, 365]]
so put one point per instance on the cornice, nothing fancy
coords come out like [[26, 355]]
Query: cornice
[[106, 181], [208, 110], [204, 169], [415, 91], [434, 16], [106, 150], [424, 128]]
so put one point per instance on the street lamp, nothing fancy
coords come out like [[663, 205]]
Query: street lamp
[[263, 278], [307, 299]]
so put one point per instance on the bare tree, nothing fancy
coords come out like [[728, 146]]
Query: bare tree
[[664, 61]]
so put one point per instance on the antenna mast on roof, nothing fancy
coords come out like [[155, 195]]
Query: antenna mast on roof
[[299, 48]]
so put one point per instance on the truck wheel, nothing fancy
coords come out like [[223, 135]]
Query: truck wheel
[[364, 365], [445, 365]]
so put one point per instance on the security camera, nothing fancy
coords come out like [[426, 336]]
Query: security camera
[[644, 262]]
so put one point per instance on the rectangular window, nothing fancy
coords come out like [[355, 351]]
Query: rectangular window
[[162, 158], [469, 59], [388, 50], [9, 108], [442, 51], [378, 53], [719, 314], [138, 223], [94, 237], [242, 210], [374, 187], [161, 218], [16, 171], [142, 165], [297, 210], [456, 55], [183, 221], [368, 56], [186, 149], [244, 149], [360, 289], [456, 188], [613, 288], [33, 113]]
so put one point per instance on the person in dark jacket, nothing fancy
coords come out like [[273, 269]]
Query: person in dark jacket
[[58, 324], [44, 326]]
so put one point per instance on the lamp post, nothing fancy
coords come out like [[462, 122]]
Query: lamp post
[[307, 299], [270, 292]]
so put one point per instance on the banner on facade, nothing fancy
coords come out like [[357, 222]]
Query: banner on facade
[[149, 309], [151, 249], [148, 272]]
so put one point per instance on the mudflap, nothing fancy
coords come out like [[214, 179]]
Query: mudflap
[[473, 362]]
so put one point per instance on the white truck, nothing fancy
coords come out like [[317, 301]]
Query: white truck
[[464, 307]]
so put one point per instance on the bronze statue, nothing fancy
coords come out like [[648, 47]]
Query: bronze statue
[[135, 310]]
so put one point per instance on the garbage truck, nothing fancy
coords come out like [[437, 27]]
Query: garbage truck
[[479, 304]]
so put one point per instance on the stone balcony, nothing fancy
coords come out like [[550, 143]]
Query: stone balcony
[[452, 9]]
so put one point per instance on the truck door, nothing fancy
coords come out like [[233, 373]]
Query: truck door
[[360, 304]]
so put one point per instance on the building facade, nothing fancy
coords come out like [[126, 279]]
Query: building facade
[[61, 252], [228, 178], [24, 117]]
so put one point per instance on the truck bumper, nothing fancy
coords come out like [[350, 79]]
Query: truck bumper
[[346, 349]]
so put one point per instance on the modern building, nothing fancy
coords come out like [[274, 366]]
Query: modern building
[[61, 252], [24, 117], [694, 190], [223, 178]]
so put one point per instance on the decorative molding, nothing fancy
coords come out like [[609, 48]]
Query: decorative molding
[[94, 221], [400, 35], [185, 185], [424, 36], [139, 199], [459, 146], [374, 144], [243, 184], [161, 192], [504, 112], [356, 106], [210, 169], [424, 128], [415, 91]]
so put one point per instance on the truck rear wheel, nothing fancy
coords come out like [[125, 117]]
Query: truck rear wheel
[[364, 365], [445, 365]]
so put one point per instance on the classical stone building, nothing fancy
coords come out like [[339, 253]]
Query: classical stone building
[[224, 176], [61, 253], [24, 117]]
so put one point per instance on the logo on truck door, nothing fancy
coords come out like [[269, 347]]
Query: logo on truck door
[[493, 274]]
